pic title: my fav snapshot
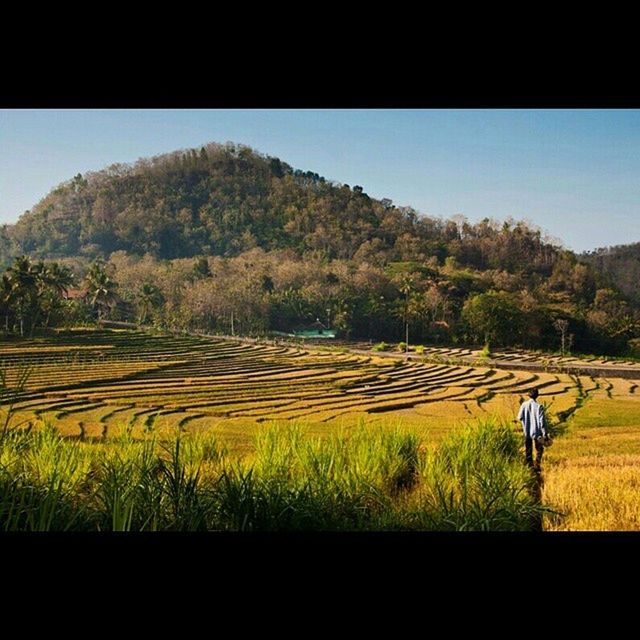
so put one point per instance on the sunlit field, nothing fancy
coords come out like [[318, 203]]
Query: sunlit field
[[593, 472], [98, 387]]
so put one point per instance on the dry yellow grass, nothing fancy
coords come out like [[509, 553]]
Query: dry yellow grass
[[594, 493], [592, 473]]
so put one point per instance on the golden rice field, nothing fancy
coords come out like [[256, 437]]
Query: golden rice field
[[94, 383]]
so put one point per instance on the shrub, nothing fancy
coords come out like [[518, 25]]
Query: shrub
[[381, 346], [486, 352]]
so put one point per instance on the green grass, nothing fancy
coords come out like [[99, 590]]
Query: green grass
[[362, 478]]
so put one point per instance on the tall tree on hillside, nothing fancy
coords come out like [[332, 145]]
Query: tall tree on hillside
[[562, 326], [406, 287], [101, 289]]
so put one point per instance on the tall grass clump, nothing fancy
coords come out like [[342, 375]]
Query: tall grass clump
[[151, 485], [340, 482], [485, 352], [41, 479], [476, 480]]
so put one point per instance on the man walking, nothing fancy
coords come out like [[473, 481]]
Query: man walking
[[534, 426]]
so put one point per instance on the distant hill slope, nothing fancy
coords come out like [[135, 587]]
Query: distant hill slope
[[226, 199], [621, 264]]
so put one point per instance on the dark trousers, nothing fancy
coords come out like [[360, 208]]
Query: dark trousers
[[528, 447]]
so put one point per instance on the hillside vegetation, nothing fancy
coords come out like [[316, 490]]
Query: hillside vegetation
[[621, 264], [223, 239]]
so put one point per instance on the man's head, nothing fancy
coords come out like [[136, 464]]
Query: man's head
[[533, 393]]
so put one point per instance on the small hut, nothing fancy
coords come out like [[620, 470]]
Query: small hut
[[314, 330]]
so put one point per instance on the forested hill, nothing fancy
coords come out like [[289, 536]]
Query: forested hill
[[224, 239], [621, 264], [223, 200]]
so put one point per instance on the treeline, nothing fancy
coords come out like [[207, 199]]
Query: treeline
[[258, 292]]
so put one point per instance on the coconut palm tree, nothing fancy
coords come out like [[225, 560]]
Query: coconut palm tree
[[58, 278], [23, 276], [54, 282], [149, 298], [6, 299], [101, 289]]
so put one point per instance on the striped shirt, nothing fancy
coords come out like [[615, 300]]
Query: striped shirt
[[531, 415]]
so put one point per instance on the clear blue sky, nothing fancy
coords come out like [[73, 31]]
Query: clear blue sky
[[574, 173]]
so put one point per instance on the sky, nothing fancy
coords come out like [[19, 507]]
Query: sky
[[573, 173]]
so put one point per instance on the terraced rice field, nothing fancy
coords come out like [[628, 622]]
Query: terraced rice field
[[518, 358], [95, 383]]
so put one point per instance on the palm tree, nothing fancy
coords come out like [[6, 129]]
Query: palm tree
[[54, 282], [406, 287], [149, 298], [23, 276], [58, 278], [101, 288], [6, 299]]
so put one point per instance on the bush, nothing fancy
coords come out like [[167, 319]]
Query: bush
[[381, 346], [402, 346], [419, 349]]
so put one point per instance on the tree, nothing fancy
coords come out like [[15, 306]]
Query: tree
[[100, 288], [267, 284], [562, 325], [54, 281], [406, 287], [201, 268], [23, 276], [6, 299], [149, 298], [494, 316]]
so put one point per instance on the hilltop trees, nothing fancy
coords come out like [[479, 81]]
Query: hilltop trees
[[619, 266], [224, 200]]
